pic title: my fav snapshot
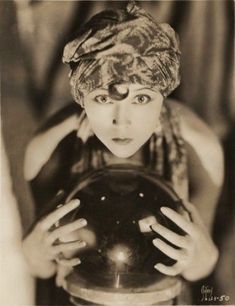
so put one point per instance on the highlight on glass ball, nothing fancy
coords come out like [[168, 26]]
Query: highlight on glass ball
[[120, 204]]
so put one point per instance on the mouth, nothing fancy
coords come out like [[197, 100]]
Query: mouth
[[122, 141]]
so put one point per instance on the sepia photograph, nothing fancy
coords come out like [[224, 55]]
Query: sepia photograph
[[117, 153]]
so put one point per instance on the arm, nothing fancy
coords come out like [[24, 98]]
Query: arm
[[13, 266], [197, 254], [205, 164], [47, 160], [44, 143]]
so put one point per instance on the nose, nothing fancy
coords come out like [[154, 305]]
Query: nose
[[121, 114]]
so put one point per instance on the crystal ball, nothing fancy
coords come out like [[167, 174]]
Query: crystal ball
[[120, 203]]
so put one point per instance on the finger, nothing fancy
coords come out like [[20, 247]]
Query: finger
[[62, 272], [168, 270], [69, 262], [63, 247], [178, 220], [167, 249], [51, 219], [50, 207], [66, 229], [185, 213], [172, 237], [194, 213]]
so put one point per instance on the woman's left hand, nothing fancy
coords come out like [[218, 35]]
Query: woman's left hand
[[197, 254]]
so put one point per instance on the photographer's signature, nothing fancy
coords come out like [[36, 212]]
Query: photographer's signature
[[209, 296]]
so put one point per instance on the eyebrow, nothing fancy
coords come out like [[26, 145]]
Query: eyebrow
[[149, 88], [145, 88]]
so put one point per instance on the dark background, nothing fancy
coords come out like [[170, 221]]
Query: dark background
[[34, 85]]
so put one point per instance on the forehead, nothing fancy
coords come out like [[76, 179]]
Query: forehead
[[124, 88]]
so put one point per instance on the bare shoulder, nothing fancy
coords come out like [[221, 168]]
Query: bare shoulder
[[193, 127], [200, 138], [189, 119]]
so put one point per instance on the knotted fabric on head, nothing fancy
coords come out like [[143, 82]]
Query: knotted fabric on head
[[123, 46]]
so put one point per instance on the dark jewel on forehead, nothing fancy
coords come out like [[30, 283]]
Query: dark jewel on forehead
[[118, 91]]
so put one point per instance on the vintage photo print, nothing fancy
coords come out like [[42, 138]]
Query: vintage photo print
[[117, 152]]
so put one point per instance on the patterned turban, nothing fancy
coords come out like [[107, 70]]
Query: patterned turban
[[123, 46]]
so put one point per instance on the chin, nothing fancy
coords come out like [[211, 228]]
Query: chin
[[122, 153]]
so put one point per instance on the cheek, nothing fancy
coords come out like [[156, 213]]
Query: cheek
[[146, 120], [98, 118]]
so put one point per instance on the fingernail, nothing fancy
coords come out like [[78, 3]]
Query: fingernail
[[83, 221], [156, 241], [164, 209], [79, 244], [157, 266], [78, 261], [60, 205], [76, 202], [82, 244]]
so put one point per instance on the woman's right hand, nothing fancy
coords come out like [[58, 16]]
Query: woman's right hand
[[43, 246]]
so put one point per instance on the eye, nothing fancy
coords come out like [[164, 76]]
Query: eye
[[142, 99], [103, 99]]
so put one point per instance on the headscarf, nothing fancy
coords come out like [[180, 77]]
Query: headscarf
[[123, 46]]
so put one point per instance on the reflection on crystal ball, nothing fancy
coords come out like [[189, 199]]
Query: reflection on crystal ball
[[120, 204], [120, 255]]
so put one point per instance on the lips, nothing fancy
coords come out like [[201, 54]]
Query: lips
[[122, 141]]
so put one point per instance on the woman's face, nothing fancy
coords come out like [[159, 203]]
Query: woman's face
[[124, 125]]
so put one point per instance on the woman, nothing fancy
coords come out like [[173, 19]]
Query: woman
[[123, 67]]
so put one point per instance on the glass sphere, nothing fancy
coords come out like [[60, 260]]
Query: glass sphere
[[120, 203]]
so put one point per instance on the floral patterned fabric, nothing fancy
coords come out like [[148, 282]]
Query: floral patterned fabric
[[123, 46]]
